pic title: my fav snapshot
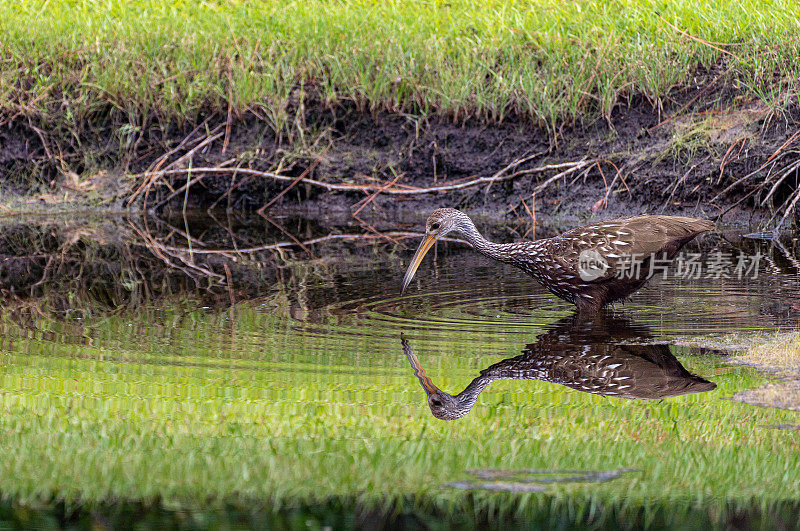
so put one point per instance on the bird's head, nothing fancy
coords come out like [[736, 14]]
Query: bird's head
[[440, 222], [443, 220], [443, 406]]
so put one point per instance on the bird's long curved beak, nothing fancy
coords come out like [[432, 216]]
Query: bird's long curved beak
[[426, 244], [419, 372]]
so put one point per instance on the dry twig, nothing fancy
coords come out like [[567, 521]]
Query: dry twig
[[568, 167], [294, 183], [396, 235], [368, 200]]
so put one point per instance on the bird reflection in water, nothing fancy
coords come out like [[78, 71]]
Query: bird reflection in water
[[591, 355]]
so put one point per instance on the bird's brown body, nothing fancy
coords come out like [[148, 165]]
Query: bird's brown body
[[590, 266]]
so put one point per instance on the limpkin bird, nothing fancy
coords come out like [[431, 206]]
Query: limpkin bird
[[590, 266], [590, 355]]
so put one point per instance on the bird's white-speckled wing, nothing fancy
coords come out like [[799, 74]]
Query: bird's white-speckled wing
[[602, 250]]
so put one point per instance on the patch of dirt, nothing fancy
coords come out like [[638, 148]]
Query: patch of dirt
[[685, 157], [781, 357], [784, 395]]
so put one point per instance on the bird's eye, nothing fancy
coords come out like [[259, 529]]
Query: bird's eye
[[435, 226]]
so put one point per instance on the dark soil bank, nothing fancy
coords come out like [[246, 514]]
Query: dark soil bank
[[708, 153]]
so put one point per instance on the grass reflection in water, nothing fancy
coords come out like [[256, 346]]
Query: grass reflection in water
[[304, 398]]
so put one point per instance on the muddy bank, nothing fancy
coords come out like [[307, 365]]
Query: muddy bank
[[708, 153]]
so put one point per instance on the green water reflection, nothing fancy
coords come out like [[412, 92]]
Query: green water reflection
[[299, 393]]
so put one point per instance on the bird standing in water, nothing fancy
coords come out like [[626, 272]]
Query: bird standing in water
[[590, 266]]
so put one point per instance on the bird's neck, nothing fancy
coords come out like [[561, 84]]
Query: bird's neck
[[466, 399], [496, 251]]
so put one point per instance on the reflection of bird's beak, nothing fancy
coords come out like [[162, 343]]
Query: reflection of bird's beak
[[419, 372], [426, 244]]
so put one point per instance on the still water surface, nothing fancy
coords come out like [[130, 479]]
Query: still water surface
[[328, 350]]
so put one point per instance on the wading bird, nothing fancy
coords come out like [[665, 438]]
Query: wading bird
[[591, 355], [590, 266]]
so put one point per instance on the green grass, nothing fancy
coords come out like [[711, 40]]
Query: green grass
[[187, 407], [549, 59]]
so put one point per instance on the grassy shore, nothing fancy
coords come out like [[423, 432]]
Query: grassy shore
[[93, 94], [548, 60]]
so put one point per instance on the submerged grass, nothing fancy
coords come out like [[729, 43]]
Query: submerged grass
[[187, 406], [548, 59]]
